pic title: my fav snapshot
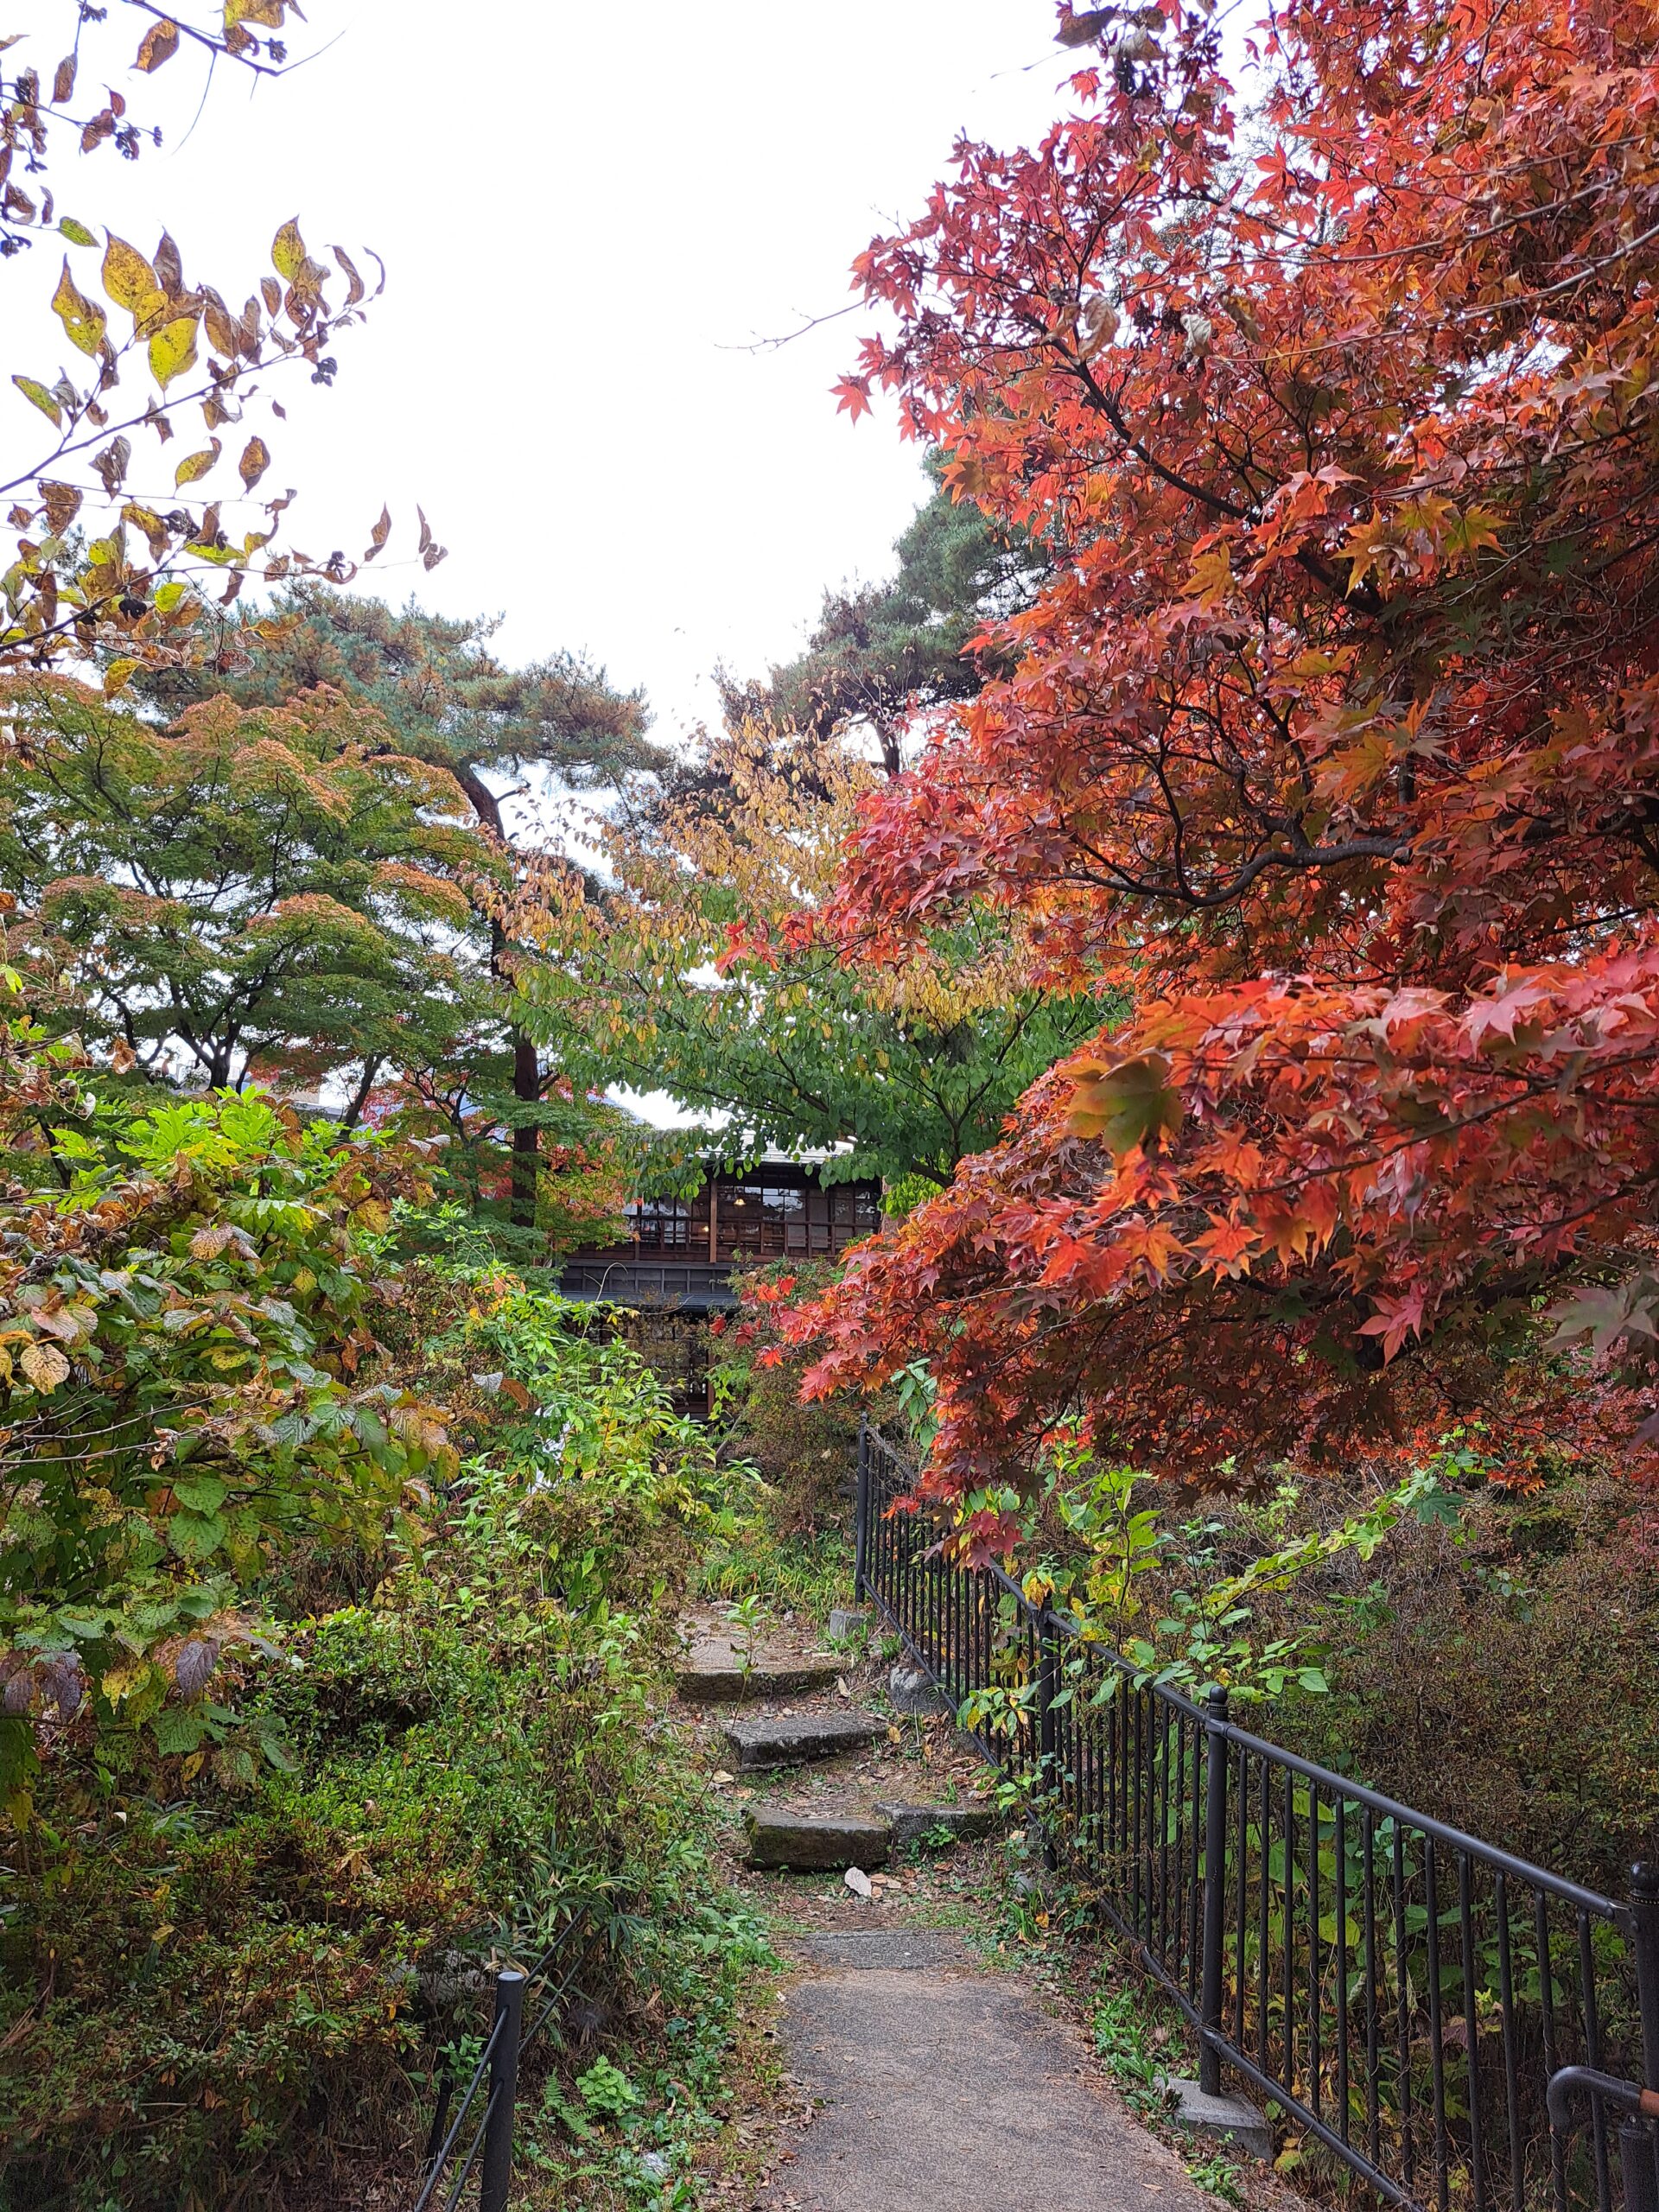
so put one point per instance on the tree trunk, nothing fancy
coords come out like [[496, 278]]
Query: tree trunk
[[526, 1067]]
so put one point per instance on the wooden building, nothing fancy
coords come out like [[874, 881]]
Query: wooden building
[[682, 1252]]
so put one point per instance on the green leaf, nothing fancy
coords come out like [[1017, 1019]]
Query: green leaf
[[181, 1728], [42, 398], [202, 1493], [197, 1535], [77, 233]]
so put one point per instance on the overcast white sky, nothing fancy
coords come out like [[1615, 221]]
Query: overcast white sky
[[587, 212]]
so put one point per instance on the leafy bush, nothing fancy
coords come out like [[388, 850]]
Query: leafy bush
[[210, 1986], [182, 1328]]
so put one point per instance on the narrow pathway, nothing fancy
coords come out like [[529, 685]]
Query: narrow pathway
[[944, 2087], [938, 2084]]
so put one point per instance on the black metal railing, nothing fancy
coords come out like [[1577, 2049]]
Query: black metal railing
[[483, 2118], [1404, 1992]]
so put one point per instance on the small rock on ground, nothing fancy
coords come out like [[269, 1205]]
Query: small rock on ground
[[913, 1690]]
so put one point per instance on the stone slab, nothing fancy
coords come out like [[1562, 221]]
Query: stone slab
[[1228, 2119], [847, 1622], [946, 2090], [911, 1824], [914, 1691], [805, 1842], [715, 1678], [791, 1740]]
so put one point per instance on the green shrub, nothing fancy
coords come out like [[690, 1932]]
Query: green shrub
[[232, 1988]]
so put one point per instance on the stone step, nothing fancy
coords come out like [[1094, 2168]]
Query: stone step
[[816, 1842], [910, 1823], [715, 1676], [793, 1738]]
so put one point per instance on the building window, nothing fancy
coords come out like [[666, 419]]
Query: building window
[[661, 1224], [764, 1220]]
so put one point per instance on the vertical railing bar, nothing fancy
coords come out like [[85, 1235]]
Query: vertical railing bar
[[1402, 1998], [495, 2174], [1197, 1812], [1547, 2008], [1367, 1860], [1263, 1931], [862, 1525], [1342, 1964], [1315, 2055], [1243, 1862], [1289, 1964], [1217, 1752], [1472, 2028], [1135, 1699], [1593, 2058], [1163, 1828], [1512, 2056], [1436, 2043]]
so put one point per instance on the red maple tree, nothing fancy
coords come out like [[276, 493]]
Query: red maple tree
[[1333, 743]]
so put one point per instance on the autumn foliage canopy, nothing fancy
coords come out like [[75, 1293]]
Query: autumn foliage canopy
[[1332, 741]]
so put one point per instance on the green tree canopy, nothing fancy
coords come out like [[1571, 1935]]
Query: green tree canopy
[[247, 890], [881, 653], [696, 970], [445, 698]]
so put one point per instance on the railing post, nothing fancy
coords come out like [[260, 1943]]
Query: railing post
[[1640, 2159], [861, 1520], [496, 2175], [1048, 1654], [1215, 1887]]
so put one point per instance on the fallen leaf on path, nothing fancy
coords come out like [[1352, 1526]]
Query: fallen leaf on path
[[858, 1882]]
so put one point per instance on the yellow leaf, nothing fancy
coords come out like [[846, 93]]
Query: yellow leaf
[[118, 676], [1210, 577], [192, 1766], [255, 459], [287, 250], [1129, 1103], [196, 464], [45, 1366], [173, 349], [128, 277], [84, 322]]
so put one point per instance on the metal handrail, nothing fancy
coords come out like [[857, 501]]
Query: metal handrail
[[1408, 1993], [499, 2063]]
